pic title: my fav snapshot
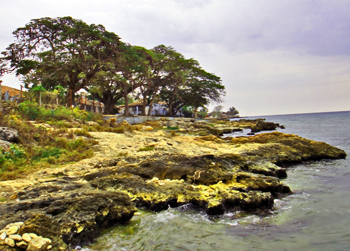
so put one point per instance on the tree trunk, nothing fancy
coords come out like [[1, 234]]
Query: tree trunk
[[109, 105]]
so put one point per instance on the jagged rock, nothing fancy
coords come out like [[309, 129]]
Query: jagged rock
[[77, 217], [70, 205], [8, 134]]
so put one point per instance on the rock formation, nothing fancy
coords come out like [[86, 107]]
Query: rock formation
[[155, 169]]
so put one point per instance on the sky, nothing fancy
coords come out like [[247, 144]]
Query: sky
[[273, 56]]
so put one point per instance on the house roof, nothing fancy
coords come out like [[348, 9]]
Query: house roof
[[136, 103], [12, 91], [84, 100]]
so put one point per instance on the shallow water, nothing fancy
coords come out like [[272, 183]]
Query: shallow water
[[315, 217]]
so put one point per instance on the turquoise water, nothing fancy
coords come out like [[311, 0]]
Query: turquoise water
[[315, 217]]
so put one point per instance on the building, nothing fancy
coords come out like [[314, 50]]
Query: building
[[158, 109], [90, 105]]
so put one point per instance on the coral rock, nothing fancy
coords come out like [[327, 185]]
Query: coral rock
[[38, 244]]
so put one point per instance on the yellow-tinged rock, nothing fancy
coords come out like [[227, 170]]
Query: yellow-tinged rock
[[33, 236], [49, 247], [20, 224], [49, 240], [12, 230], [38, 244], [147, 128], [10, 242], [22, 244], [79, 230], [15, 237], [3, 236], [26, 237]]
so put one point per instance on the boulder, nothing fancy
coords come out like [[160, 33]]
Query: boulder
[[8, 134], [4, 144], [38, 244]]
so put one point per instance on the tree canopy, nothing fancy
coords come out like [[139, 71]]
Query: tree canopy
[[67, 52]]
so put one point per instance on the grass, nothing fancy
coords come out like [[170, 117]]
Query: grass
[[146, 148], [39, 147]]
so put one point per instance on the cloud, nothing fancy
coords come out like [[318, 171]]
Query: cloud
[[273, 56]]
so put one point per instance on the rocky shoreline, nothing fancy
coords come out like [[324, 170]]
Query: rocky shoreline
[[184, 161]]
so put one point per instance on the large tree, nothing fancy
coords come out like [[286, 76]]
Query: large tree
[[164, 69], [192, 86], [60, 51], [119, 77]]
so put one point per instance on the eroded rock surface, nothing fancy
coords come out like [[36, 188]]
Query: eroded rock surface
[[152, 170]]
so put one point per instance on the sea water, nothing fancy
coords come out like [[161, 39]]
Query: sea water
[[315, 217]]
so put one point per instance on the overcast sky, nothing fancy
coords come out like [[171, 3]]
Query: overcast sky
[[273, 56]]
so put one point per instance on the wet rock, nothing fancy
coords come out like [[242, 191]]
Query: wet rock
[[217, 175]]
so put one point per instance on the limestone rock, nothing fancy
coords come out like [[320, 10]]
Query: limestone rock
[[9, 134], [91, 123], [3, 236], [33, 236], [147, 128], [124, 124], [22, 244], [38, 244], [10, 242], [12, 230], [26, 237], [4, 144], [15, 237]]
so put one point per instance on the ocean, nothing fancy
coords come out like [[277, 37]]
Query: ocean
[[315, 217]]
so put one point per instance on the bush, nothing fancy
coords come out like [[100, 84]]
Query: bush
[[32, 111]]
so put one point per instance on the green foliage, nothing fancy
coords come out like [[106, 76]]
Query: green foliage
[[232, 111], [172, 128], [83, 132], [32, 111], [203, 112], [40, 147], [65, 54], [14, 155]]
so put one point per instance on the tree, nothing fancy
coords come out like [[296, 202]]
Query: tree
[[118, 78], [197, 89], [163, 64], [61, 51], [232, 111], [217, 111]]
